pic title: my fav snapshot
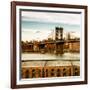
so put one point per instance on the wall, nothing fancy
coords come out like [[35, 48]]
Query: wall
[[5, 45]]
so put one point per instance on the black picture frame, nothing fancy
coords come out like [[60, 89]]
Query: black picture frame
[[14, 84]]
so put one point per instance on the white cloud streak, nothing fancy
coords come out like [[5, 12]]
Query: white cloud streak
[[51, 17]]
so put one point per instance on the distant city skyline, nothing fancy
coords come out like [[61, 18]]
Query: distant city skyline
[[40, 25]]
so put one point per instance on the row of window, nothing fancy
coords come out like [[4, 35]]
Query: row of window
[[41, 72]]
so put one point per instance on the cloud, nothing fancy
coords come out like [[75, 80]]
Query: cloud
[[52, 17], [30, 34]]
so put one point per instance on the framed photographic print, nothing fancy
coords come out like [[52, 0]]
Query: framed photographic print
[[48, 44]]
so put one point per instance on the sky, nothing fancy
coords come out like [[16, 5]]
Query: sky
[[41, 25]]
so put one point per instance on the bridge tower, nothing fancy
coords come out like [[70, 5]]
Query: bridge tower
[[59, 42]]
